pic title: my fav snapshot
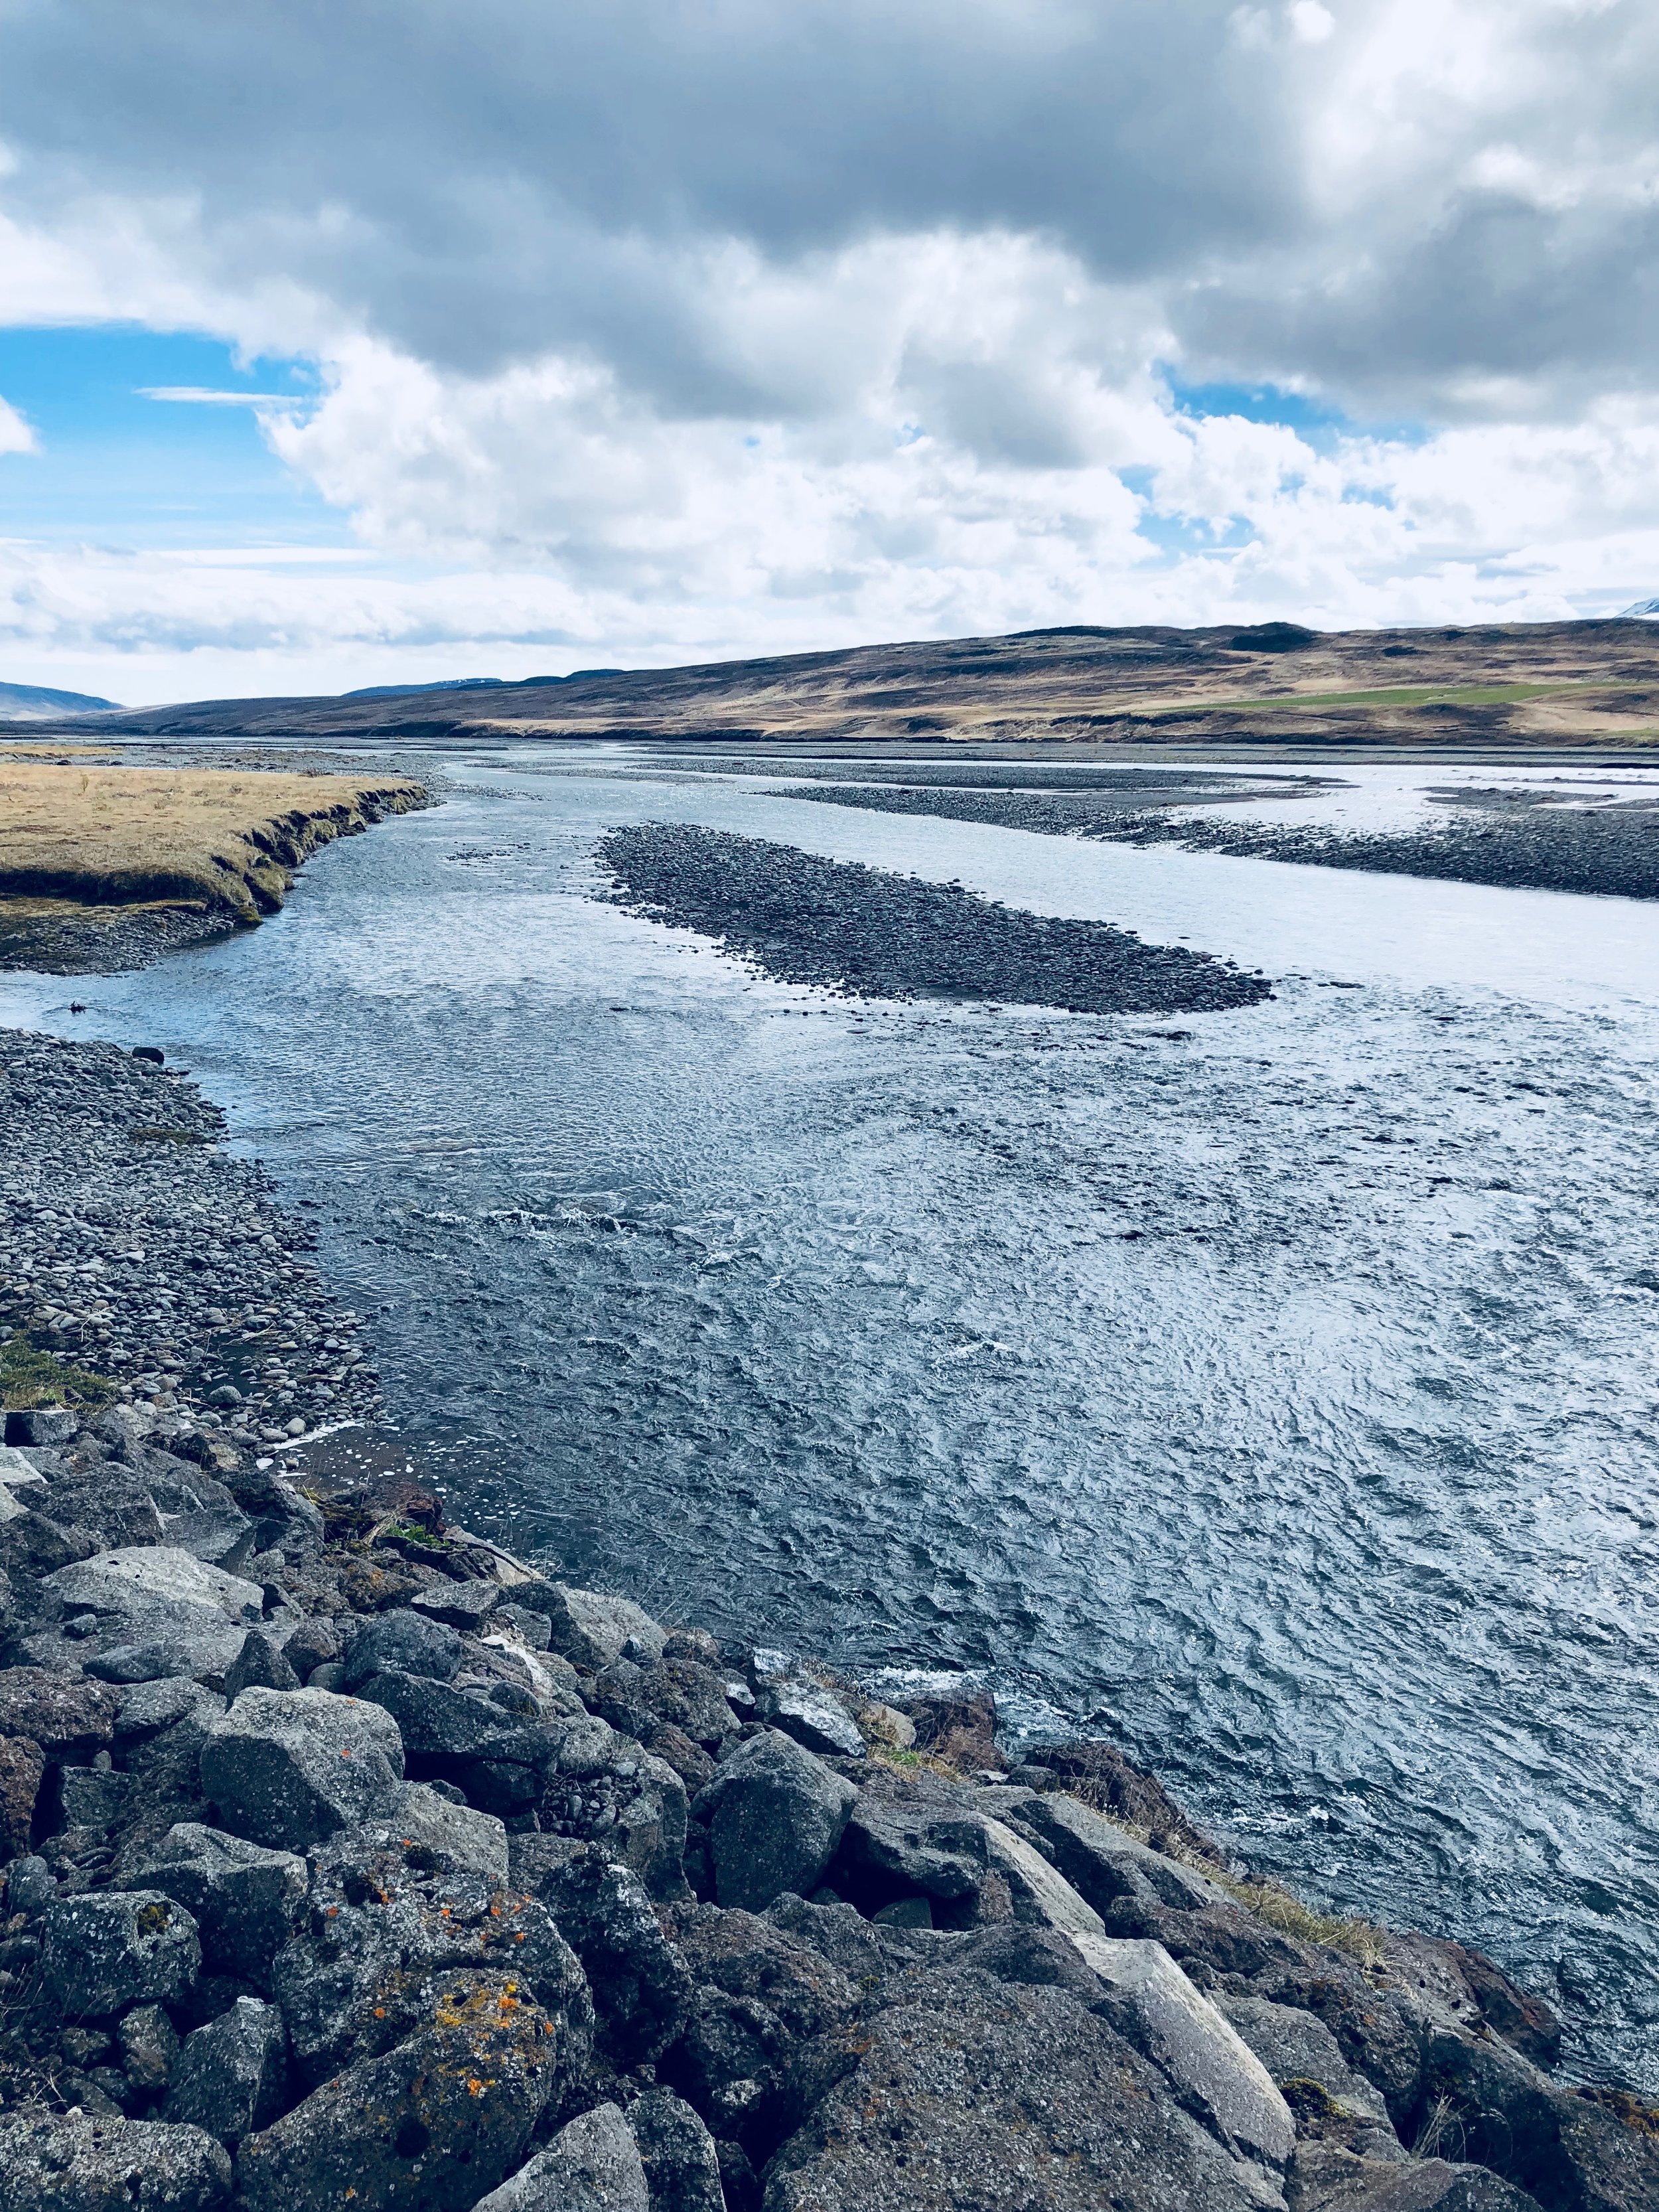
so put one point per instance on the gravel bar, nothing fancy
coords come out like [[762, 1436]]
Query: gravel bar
[[866, 932], [1499, 838], [136, 1247]]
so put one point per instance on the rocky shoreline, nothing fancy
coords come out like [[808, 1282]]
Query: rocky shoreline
[[349, 1860]]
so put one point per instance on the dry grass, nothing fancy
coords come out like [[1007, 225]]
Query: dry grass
[[98, 835]]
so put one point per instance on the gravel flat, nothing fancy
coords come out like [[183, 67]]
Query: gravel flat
[[869, 934]]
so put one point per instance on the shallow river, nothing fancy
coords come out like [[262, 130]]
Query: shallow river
[[1273, 1391]]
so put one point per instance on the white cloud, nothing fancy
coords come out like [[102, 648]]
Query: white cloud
[[657, 328], [16, 436]]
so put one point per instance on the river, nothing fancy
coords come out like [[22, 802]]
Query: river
[[1272, 1390]]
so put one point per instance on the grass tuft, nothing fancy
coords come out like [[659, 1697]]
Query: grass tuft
[[31, 1378]]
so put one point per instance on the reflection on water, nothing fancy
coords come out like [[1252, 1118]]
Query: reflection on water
[[1273, 1388]]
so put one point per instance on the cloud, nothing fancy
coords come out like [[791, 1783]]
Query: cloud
[[193, 395], [695, 325], [16, 436]]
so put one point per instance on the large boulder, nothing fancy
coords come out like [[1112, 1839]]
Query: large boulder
[[68, 1716], [76, 2164], [591, 2165], [498, 1758], [229, 2077], [591, 1629], [1327, 2180], [1305, 2062], [638, 1978], [1038, 1895], [1102, 1863], [244, 1898], [23, 1769], [430, 2126], [286, 1769], [1214, 2072], [974, 2091], [1598, 2151], [682, 2165], [141, 1575], [409, 1642], [385, 1918], [108, 1949], [774, 1815]]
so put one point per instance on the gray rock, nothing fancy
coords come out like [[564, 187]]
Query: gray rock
[[459, 1605], [1327, 2180], [220, 1536], [382, 1922], [533, 1629], [229, 2077], [592, 1629], [287, 1770], [774, 1816], [259, 1665], [895, 1847], [1212, 2070], [79, 2164], [149, 2047], [243, 1899], [108, 1949], [67, 1717], [29, 1886], [682, 2165], [1297, 2046], [454, 1837], [89, 1798], [430, 2126], [498, 1758], [126, 1581], [406, 1641], [591, 2165], [1102, 1863], [1041, 1896], [813, 1717], [147, 1708], [50, 1426], [638, 1978], [158, 1642], [974, 2091]]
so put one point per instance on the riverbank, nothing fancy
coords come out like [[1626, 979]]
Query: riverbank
[[344, 1850], [107, 867]]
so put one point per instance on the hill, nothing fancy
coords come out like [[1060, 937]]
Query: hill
[[1527, 685], [33, 703]]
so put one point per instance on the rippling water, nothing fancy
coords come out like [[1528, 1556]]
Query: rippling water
[[1274, 1389]]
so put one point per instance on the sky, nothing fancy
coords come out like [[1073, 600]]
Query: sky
[[347, 341]]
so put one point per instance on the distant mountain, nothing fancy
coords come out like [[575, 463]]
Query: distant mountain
[[1642, 607], [30, 702], [474, 684]]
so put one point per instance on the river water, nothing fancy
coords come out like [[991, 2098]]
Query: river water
[[1272, 1390]]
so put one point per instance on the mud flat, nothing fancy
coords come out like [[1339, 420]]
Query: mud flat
[[107, 867], [867, 933]]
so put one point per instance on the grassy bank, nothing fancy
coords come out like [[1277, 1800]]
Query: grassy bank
[[224, 842]]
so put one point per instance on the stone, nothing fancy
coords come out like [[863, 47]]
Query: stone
[[288, 1769], [1039, 1896], [68, 1717], [452, 1835], [533, 1629], [904, 1845], [430, 2126], [108, 1949], [1324, 2180], [123, 1581], [229, 2077], [1297, 2046], [243, 1899], [87, 1797], [147, 1708], [462, 1606], [314, 1642], [382, 1922], [682, 2165], [259, 1665], [50, 1426], [814, 1718], [164, 1642], [886, 1724], [1214, 2072], [80, 2164], [592, 1629], [591, 2165], [774, 1816], [1581, 2149], [148, 2048], [220, 1536], [29, 1887], [406, 1641], [1102, 1863], [22, 1767], [977, 2093], [639, 1980], [499, 1760]]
